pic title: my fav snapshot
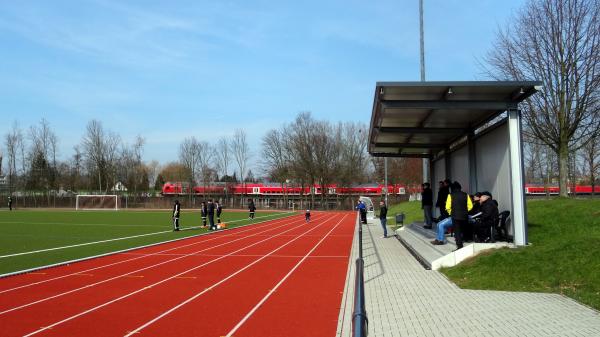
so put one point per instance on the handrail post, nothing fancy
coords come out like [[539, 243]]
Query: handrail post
[[360, 321]]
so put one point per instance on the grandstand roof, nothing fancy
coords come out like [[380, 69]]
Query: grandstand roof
[[419, 119]]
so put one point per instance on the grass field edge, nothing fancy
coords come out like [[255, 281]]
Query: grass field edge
[[58, 264]]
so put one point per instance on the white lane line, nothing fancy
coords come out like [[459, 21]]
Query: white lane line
[[155, 284], [256, 255], [145, 325], [230, 233], [101, 241], [264, 299], [135, 271]]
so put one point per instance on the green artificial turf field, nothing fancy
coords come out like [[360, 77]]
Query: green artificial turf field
[[25, 231]]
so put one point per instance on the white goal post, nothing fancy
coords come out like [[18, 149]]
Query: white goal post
[[97, 202]]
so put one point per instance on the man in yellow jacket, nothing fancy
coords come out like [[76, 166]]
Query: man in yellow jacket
[[458, 205]]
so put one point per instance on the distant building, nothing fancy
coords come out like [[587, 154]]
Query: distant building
[[119, 187]]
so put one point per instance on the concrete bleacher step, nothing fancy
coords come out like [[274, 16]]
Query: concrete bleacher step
[[418, 242]]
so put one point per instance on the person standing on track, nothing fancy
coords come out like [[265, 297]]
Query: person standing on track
[[176, 213], [9, 203], [211, 215], [251, 209], [203, 213], [307, 215], [219, 210]]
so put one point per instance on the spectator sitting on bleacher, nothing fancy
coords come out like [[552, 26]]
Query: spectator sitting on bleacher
[[489, 216], [446, 223], [469, 230]]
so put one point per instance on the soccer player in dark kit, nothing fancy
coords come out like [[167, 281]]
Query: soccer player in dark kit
[[251, 209], [211, 215], [176, 213], [219, 210], [203, 213]]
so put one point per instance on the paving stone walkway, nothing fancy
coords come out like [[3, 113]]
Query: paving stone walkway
[[404, 299]]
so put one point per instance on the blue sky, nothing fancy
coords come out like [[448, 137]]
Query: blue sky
[[168, 70]]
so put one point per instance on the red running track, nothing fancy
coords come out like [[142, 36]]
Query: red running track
[[278, 278]]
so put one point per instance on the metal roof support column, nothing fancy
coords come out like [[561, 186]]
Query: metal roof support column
[[472, 162], [518, 212]]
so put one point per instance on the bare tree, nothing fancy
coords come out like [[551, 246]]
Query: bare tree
[[276, 159], [590, 155], [13, 142], [189, 157], [153, 170], [101, 150], [206, 154], [222, 154], [241, 154], [558, 42]]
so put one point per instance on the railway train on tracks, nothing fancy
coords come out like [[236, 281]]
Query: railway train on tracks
[[276, 189]]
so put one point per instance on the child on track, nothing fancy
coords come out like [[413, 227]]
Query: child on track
[[307, 215]]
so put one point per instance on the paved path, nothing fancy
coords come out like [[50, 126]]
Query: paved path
[[404, 299]]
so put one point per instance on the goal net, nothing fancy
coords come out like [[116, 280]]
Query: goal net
[[96, 202]]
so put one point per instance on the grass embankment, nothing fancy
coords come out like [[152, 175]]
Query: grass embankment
[[411, 209], [564, 256], [31, 230]]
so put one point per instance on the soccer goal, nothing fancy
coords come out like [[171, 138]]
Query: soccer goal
[[97, 202]]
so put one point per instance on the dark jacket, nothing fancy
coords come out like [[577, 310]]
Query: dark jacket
[[459, 205], [442, 196], [383, 212], [203, 210], [475, 208], [251, 206], [489, 213], [219, 210], [211, 208], [427, 197]]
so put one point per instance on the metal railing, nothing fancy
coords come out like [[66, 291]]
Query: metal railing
[[360, 321]]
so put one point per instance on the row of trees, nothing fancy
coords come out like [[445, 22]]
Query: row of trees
[[557, 42], [97, 163], [309, 151]]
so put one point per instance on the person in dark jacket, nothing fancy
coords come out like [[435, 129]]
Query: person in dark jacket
[[383, 217], [203, 213], [211, 214], [458, 206], [219, 209], [427, 205], [443, 192], [469, 231], [307, 215], [9, 203], [176, 214], [489, 216], [251, 209]]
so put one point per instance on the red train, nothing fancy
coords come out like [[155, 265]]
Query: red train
[[266, 189], [534, 189]]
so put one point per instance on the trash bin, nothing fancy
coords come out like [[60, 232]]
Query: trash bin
[[400, 219]]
